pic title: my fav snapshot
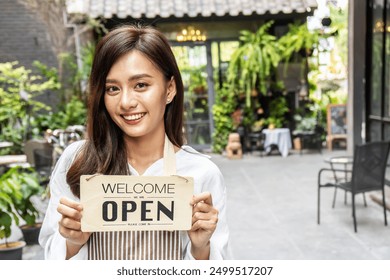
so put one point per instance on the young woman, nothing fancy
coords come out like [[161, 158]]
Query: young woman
[[136, 99]]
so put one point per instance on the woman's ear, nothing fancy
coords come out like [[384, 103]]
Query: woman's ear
[[171, 90]]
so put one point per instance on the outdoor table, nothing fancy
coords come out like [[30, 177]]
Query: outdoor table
[[12, 159], [5, 144], [342, 160], [280, 137]]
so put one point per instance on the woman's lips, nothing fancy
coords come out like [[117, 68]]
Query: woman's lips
[[133, 117]]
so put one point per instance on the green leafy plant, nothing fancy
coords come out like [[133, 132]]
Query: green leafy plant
[[75, 82], [198, 80], [253, 63], [298, 39], [7, 214], [304, 123], [17, 186], [73, 113], [27, 181], [19, 89], [278, 108], [223, 109]]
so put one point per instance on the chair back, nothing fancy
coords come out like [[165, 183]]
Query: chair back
[[32, 145], [369, 166]]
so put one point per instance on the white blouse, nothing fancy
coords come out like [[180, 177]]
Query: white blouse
[[207, 177]]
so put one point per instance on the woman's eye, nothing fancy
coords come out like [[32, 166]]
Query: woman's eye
[[141, 85], [111, 89]]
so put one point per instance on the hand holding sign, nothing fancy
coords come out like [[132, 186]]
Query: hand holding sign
[[204, 223], [70, 225]]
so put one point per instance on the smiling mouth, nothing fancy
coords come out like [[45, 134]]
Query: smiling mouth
[[133, 117]]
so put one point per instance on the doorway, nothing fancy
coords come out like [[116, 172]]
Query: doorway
[[193, 62]]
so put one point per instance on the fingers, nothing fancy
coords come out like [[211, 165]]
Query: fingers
[[74, 237], [70, 208], [210, 218], [205, 197], [71, 203], [205, 225], [204, 215], [70, 224], [68, 232]]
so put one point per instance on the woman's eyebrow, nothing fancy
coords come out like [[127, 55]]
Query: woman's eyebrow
[[139, 76], [132, 78]]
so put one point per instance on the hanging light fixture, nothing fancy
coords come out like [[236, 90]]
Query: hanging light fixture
[[191, 34]]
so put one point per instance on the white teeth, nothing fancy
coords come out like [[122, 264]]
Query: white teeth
[[133, 117]]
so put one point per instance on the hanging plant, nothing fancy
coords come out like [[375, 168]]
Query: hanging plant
[[299, 39], [253, 62]]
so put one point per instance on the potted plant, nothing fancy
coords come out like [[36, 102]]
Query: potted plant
[[17, 187], [277, 108], [8, 217], [28, 180]]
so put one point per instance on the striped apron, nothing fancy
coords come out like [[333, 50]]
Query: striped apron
[[139, 245]]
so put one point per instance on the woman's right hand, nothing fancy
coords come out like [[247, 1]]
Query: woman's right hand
[[70, 226]]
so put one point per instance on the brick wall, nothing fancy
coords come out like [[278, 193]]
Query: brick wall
[[24, 39]]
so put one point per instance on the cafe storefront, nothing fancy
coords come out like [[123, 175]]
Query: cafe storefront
[[203, 35]]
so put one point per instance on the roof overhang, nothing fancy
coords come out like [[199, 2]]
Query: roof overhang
[[187, 9]]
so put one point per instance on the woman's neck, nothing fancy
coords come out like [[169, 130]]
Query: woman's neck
[[142, 152]]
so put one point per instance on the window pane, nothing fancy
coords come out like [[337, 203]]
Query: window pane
[[387, 132], [375, 131], [192, 63], [221, 59], [387, 58], [377, 63]]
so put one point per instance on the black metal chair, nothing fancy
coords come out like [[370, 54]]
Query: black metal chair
[[311, 139], [256, 142], [368, 174]]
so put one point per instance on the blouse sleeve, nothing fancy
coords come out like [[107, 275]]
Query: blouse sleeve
[[50, 239], [213, 182]]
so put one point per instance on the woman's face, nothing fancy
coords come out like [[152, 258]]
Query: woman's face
[[136, 94]]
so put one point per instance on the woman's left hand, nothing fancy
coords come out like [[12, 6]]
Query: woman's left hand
[[204, 222]]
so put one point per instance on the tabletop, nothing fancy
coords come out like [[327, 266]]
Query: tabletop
[[5, 144], [11, 159], [280, 137], [340, 160]]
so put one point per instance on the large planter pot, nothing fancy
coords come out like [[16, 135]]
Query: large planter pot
[[31, 233], [12, 250]]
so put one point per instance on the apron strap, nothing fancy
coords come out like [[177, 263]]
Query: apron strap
[[169, 158]]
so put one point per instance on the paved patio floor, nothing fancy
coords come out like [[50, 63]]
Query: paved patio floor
[[272, 212], [272, 207]]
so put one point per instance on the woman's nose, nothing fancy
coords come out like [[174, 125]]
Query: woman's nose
[[128, 99]]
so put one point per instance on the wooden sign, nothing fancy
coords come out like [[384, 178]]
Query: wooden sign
[[337, 123], [114, 203]]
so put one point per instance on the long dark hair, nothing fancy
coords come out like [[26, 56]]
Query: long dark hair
[[104, 151]]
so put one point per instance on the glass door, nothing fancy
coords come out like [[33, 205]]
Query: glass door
[[192, 62]]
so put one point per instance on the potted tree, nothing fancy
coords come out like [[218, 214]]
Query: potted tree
[[17, 186]]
